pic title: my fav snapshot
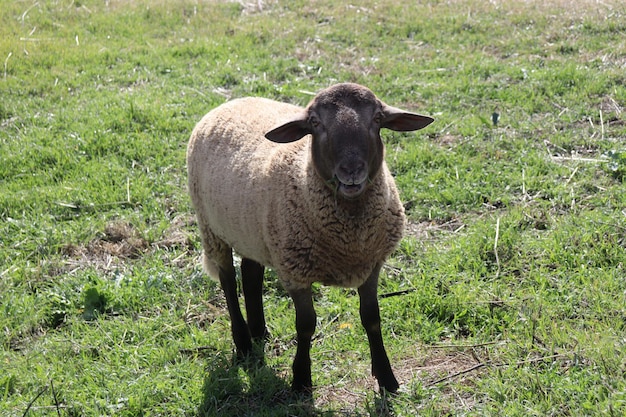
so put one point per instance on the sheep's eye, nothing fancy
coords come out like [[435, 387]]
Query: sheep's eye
[[314, 122], [378, 118]]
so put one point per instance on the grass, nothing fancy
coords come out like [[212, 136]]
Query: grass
[[506, 296]]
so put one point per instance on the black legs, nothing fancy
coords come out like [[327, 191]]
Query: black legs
[[252, 277], [305, 327], [243, 333], [370, 318], [252, 280]]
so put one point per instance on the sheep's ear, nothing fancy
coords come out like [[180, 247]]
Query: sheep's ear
[[402, 121], [289, 132]]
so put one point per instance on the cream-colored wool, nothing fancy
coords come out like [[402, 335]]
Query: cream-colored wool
[[266, 201]]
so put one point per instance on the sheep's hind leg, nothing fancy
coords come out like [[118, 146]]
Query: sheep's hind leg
[[241, 334], [305, 327], [370, 318], [252, 279]]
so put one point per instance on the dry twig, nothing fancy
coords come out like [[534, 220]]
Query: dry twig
[[491, 363]]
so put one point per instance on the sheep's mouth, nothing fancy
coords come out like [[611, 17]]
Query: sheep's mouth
[[350, 191]]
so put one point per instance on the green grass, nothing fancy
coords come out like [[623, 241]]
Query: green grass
[[510, 281]]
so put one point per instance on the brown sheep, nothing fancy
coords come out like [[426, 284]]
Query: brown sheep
[[315, 202]]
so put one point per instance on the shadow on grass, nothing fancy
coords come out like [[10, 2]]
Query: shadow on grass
[[249, 388], [236, 387]]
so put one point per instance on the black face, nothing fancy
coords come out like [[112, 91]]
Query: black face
[[345, 122], [347, 148]]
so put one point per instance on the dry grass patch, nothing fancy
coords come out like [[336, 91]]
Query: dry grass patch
[[121, 241], [430, 229], [427, 367]]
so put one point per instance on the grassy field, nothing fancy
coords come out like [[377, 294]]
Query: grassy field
[[506, 297]]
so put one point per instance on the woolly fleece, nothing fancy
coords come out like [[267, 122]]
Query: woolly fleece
[[267, 202]]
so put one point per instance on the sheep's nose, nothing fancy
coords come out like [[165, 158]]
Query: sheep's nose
[[352, 172]]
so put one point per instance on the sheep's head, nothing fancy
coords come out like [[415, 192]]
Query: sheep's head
[[345, 121]]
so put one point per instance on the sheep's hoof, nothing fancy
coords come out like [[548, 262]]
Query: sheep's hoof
[[254, 358], [260, 337], [243, 353], [389, 384], [243, 344], [302, 387]]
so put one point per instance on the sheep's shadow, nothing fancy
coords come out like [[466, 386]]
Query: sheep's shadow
[[235, 387]]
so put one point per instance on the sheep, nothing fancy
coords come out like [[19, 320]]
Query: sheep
[[305, 191]]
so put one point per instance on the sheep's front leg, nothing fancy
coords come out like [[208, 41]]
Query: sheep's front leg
[[241, 334], [305, 327], [252, 280], [370, 318]]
